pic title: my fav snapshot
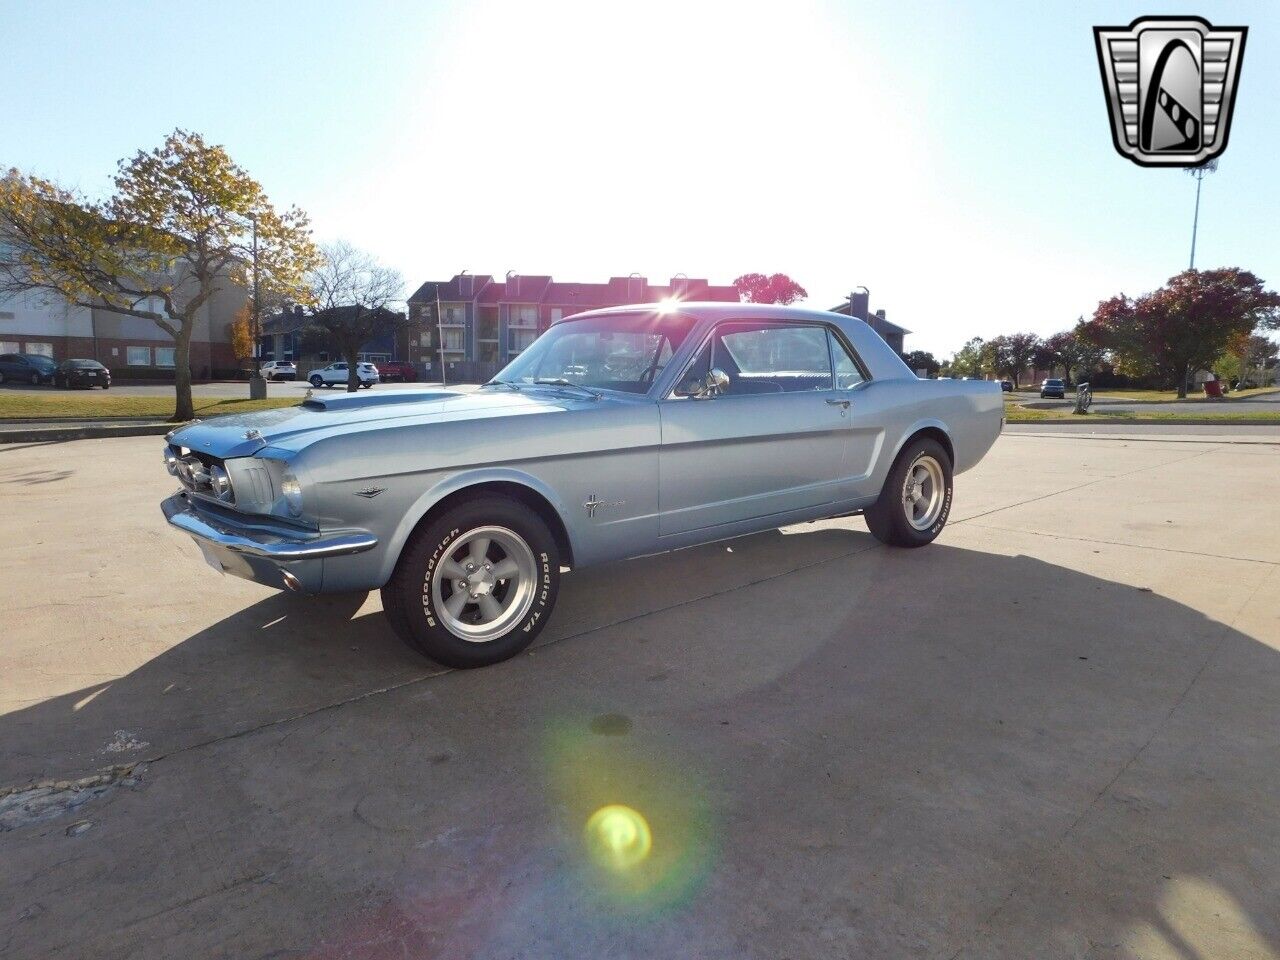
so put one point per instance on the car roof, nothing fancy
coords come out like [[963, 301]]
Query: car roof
[[695, 309]]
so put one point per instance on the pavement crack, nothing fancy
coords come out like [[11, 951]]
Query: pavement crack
[[1080, 486], [1121, 543], [421, 678]]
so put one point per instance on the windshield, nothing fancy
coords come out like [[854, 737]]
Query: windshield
[[625, 351], [83, 365]]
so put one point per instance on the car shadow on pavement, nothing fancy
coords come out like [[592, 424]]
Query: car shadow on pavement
[[941, 753]]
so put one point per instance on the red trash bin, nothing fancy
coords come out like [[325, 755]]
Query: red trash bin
[[1213, 388]]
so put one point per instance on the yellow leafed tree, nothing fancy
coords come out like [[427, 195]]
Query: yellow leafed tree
[[177, 228], [242, 332]]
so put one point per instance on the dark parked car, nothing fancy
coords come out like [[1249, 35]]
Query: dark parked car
[[397, 370], [82, 373], [1053, 388], [29, 368], [1006, 386]]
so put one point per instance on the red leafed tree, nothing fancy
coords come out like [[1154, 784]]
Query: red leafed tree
[[778, 288], [1185, 325]]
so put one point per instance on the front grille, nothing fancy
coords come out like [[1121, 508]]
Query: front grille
[[253, 484]]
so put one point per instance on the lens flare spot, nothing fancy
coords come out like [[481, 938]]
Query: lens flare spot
[[618, 837]]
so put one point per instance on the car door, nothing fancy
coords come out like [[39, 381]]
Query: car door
[[771, 441], [864, 420]]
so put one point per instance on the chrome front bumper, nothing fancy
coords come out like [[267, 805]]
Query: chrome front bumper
[[260, 551]]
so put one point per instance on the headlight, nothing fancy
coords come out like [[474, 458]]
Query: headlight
[[170, 461], [291, 490], [221, 484]]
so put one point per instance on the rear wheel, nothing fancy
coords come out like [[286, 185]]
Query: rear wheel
[[35, 379], [476, 585], [916, 499]]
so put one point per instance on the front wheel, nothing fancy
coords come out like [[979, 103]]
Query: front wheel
[[476, 585], [916, 498], [316, 381]]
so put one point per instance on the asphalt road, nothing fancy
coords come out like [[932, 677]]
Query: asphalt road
[[1050, 734]]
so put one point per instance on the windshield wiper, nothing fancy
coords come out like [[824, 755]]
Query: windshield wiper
[[501, 383], [562, 382]]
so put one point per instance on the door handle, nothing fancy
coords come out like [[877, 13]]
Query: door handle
[[839, 403]]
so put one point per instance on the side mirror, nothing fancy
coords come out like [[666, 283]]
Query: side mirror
[[704, 388]]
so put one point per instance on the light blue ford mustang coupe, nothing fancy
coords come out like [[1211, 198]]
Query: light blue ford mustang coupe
[[619, 432]]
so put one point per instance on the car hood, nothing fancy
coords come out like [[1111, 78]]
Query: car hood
[[291, 428]]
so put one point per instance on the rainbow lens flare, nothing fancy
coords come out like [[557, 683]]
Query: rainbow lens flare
[[618, 837]]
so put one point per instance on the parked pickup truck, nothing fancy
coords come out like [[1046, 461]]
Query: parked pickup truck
[[617, 433], [400, 370]]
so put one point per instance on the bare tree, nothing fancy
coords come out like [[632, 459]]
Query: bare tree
[[353, 297]]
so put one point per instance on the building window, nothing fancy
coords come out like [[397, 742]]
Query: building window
[[138, 356], [523, 317], [454, 316], [452, 339], [518, 338], [164, 356], [9, 346], [40, 349]]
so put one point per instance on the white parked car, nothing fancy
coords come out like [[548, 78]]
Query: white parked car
[[280, 370], [336, 373]]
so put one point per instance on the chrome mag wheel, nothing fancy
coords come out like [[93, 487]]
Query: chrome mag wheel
[[485, 584], [924, 492]]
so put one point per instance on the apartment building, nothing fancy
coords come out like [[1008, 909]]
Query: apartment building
[[42, 323], [485, 321]]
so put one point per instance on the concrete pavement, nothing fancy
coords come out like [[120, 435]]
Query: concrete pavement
[[1049, 734]]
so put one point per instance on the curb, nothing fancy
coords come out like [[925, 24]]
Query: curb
[[88, 431], [1103, 419]]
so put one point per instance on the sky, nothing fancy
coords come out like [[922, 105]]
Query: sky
[[953, 158]]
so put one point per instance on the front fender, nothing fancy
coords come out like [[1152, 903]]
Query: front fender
[[455, 483]]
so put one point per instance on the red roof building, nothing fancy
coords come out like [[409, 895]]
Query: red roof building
[[490, 321]]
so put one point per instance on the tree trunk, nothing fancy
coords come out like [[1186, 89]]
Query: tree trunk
[[184, 410], [353, 375], [1183, 372]]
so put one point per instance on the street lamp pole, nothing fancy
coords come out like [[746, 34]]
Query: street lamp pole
[[444, 376], [1195, 222], [257, 385], [1198, 173]]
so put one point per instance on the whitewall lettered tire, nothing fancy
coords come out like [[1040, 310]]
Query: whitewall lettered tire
[[476, 584], [916, 498]]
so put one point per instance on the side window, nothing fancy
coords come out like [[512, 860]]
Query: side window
[[772, 358], [697, 372], [847, 372]]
